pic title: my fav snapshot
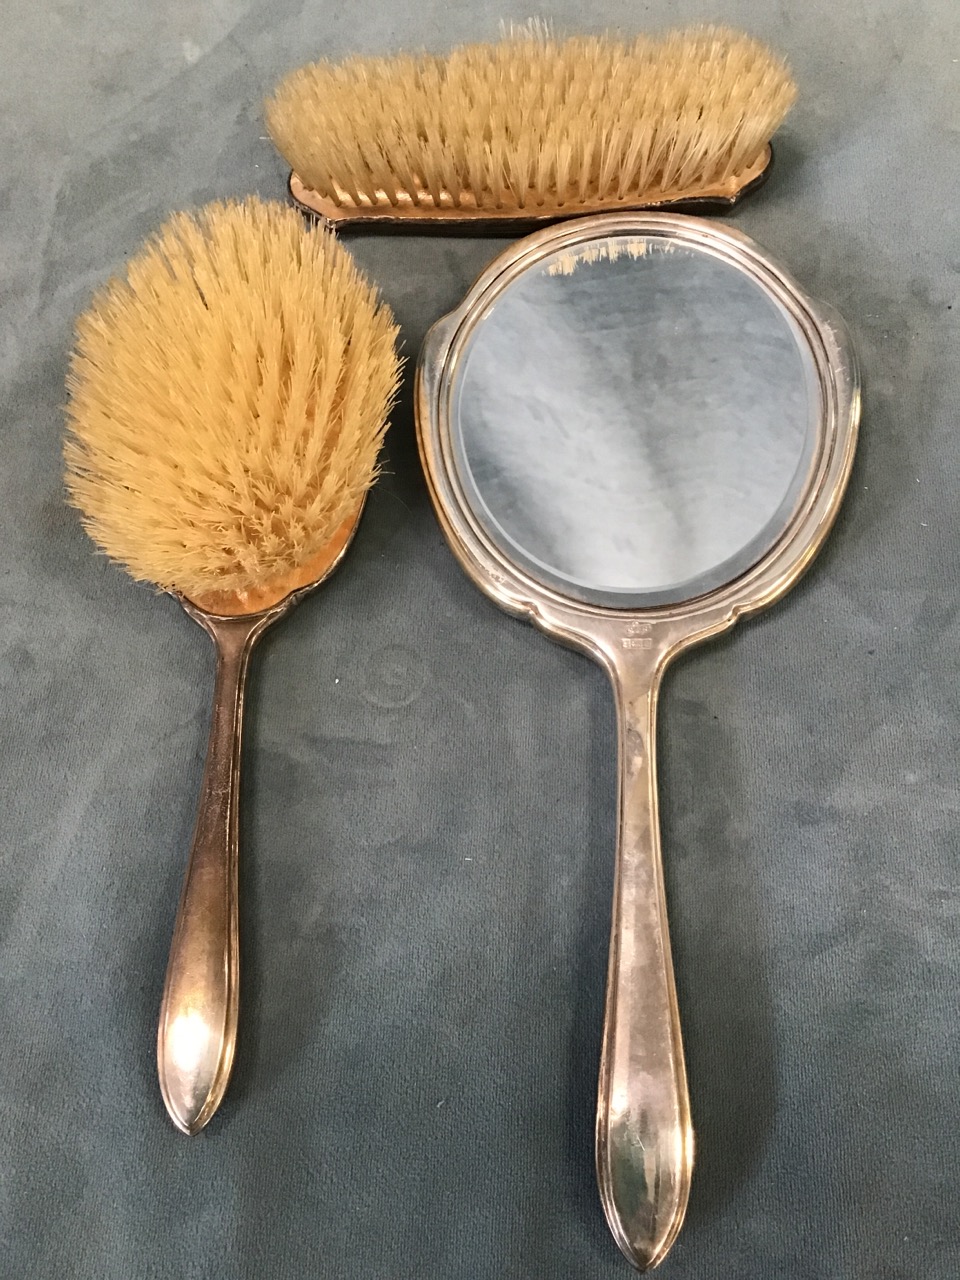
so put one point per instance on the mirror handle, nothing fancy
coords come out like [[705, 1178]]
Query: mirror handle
[[644, 1140]]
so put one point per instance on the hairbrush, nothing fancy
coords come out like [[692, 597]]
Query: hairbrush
[[227, 401], [512, 135]]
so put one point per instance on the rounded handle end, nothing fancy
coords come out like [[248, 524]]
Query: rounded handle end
[[644, 1181], [194, 1058]]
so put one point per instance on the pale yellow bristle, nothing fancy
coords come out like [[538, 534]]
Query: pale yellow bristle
[[227, 400], [533, 120]]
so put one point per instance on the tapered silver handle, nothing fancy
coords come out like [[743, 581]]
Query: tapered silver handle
[[644, 1136], [198, 1014]]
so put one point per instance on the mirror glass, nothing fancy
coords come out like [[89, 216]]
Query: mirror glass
[[633, 419]]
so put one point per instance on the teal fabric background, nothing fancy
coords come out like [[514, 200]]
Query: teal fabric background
[[428, 822]]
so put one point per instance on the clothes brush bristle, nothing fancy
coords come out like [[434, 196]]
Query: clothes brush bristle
[[227, 400], [533, 120]]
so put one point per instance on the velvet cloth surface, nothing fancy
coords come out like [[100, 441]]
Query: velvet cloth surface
[[429, 804]]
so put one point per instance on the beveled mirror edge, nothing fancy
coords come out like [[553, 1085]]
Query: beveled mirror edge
[[596, 629]]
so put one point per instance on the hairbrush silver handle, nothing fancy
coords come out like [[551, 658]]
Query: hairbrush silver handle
[[644, 1136], [198, 1015]]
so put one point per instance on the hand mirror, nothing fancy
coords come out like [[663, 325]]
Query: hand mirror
[[637, 429]]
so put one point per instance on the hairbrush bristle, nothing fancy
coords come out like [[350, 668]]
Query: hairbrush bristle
[[228, 398], [533, 120]]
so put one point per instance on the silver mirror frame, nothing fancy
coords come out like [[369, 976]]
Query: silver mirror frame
[[644, 1138]]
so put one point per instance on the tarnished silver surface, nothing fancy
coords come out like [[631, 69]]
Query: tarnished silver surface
[[644, 1136], [197, 1031]]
